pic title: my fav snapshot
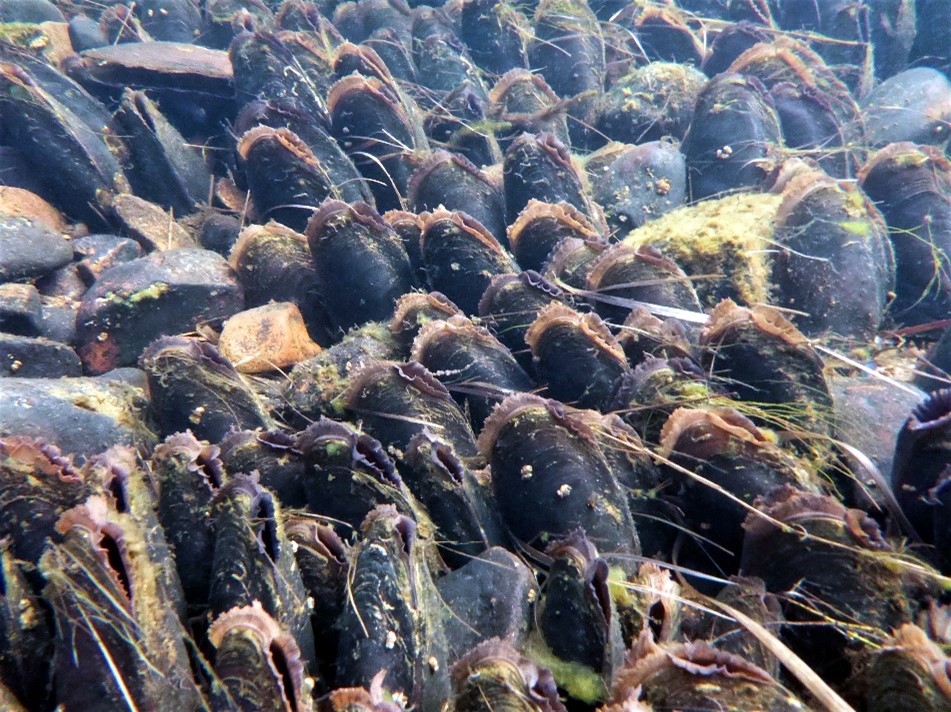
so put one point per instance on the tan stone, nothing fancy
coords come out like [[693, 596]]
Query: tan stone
[[20, 203], [266, 338]]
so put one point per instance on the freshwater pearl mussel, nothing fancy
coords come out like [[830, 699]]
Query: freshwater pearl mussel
[[381, 355]]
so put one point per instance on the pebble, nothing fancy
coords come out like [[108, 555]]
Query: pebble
[[30, 250], [266, 338]]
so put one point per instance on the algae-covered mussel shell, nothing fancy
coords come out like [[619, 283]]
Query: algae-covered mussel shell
[[37, 484], [194, 387], [850, 584], [522, 102], [461, 257], [911, 185], [494, 675], [476, 368], [393, 622], [417, 309], [834, 260], [541, 453], [188, 474], [458, 500], [578, 631], [576, 356], [540, 227], [396, 401], [258, 661], [360, 262], [495, 34]]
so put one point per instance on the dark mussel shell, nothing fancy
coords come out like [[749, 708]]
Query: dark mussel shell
[[576, 356], [283, 65], [539, 166], [920, 471], [38, 484], [494, 675], [734, 131], [314, 385], [360, 261], [663, 33], [458, 123], [834, 262], [636, 184], [694, 675], [289, 113], [347, 474], [733, 456], [568, 50], [811, 126], [495, 33], [451, 181], [624, 274], [273, 263], [442, 64], [51, 133], [766, 360], [458, 500], [287, 180], [914, 105], [393, 622], [540, 227], [188, 474], [522, 102], [511, 303], [27, 640], [194, 387], [543, 454], [274, 456], [475, 366], [259, 662], [254, 561], [381, 133], [840, 565], [159, 164], [414, 311], [642, 335], [396, 401], [577, 622], [461, 257], [652, 102], [911, 185], [572, 260], [408, 227], [103, 589]]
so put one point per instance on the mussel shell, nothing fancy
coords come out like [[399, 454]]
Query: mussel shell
[[623, 272], [360, 261], [912, 187], [734, 129], [476, 368], [396, 401], [348, 473], [511, 303], [458, 500], [523, 102], [414, 311], [274, 456], [539, 166], [576, 356], [495, 35], [834, 260], [451, 181], [458, 123], [461, 257], [541, 453]]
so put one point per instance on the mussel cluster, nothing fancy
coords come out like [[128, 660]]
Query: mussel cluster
[[547, 355]]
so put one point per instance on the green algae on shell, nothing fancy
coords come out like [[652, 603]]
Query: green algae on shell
[[729, 236]]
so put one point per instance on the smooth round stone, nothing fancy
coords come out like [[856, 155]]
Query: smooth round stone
[[37, 357], [29, 251]]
